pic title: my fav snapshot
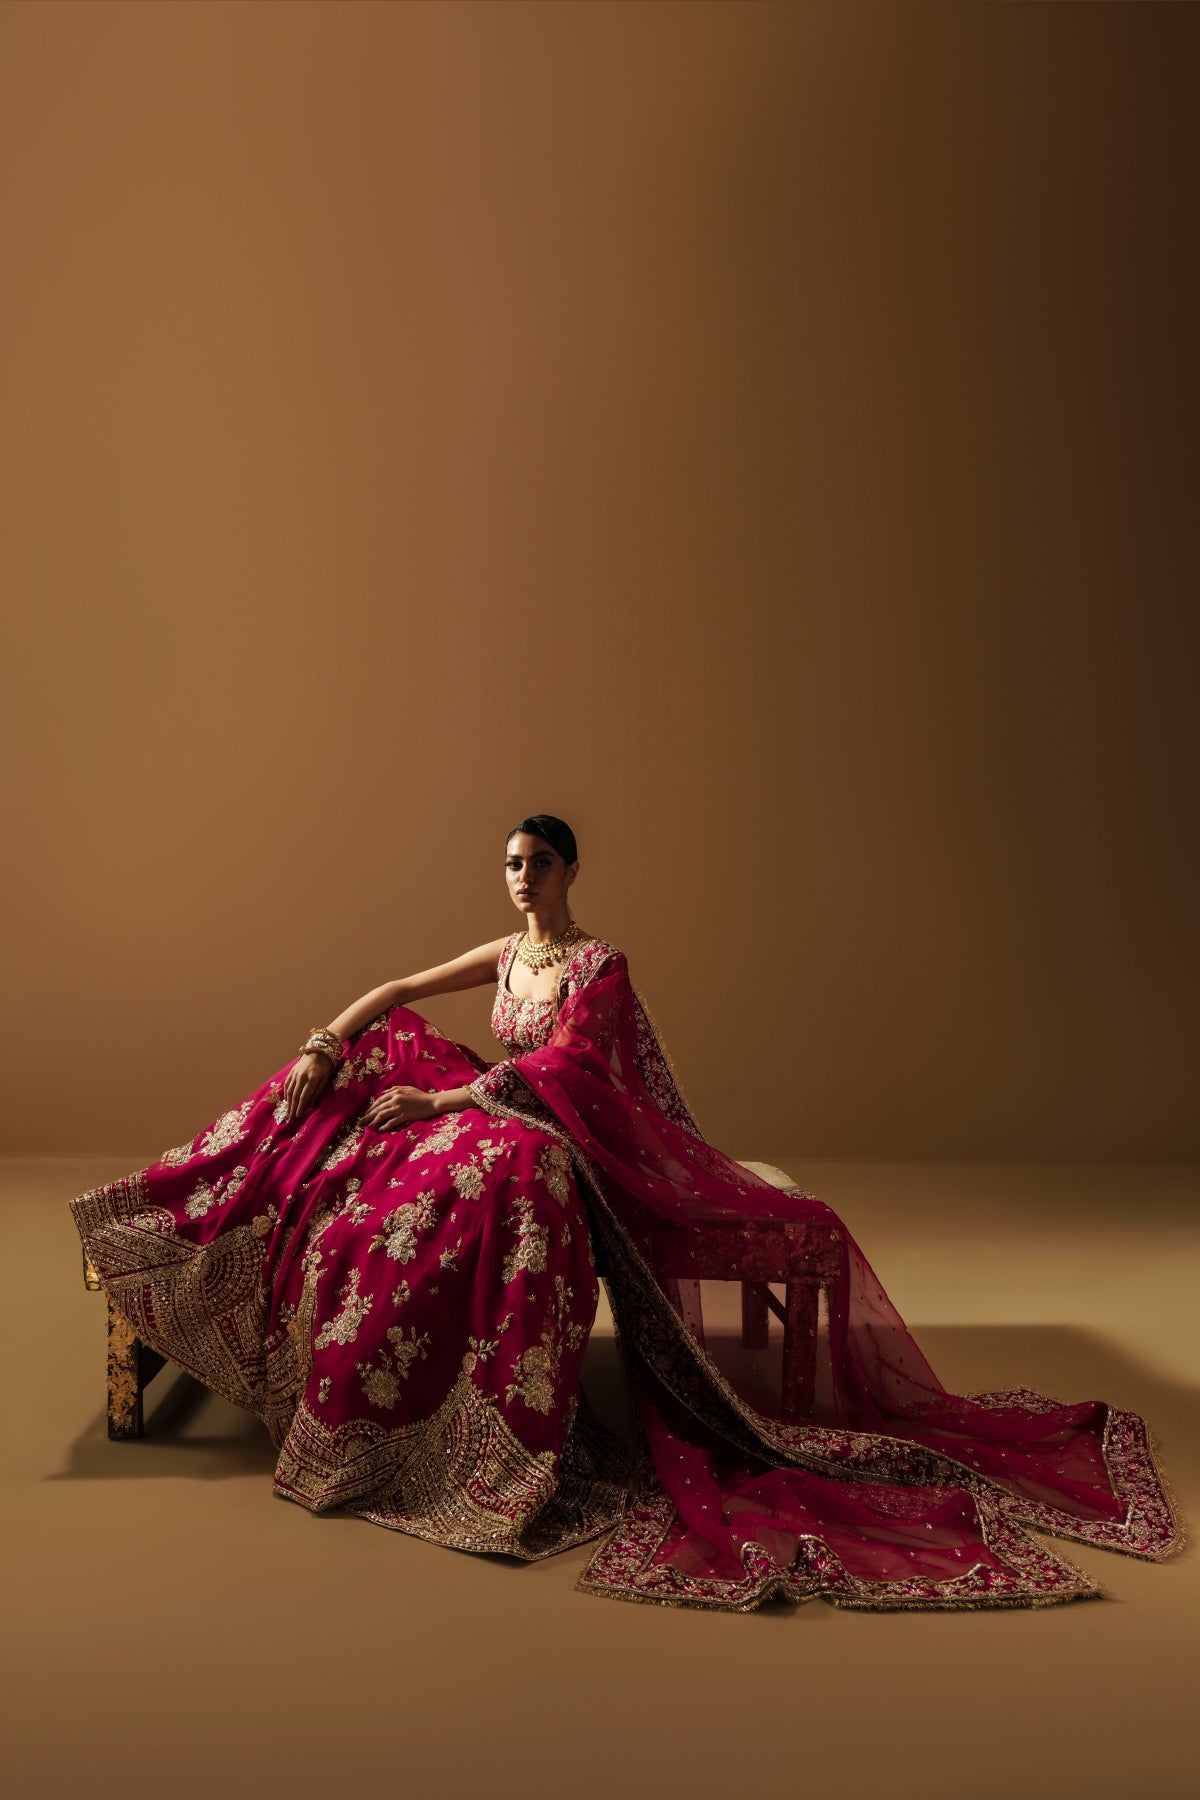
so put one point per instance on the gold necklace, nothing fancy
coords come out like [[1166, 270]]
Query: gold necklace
[[540, 956]]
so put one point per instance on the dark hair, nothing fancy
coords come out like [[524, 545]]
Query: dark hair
[[556, 832]]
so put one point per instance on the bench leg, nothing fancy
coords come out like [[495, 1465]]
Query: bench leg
[[684, 1295], [754, 1315], [800, 1348], [124, 1378]]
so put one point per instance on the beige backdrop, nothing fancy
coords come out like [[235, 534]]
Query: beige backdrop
[[761, 434]]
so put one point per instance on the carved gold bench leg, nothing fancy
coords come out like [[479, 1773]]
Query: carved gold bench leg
[[124, 1378], [131, 1364]]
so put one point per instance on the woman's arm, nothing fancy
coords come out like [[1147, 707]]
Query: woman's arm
[[312, 1073], [473, 969]]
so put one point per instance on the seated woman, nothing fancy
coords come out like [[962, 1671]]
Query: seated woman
[[387, 1252]]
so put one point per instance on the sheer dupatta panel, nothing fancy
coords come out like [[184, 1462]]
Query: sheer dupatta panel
[[816, 1455]]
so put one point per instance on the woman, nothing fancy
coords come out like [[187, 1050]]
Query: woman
[[387, 1252]]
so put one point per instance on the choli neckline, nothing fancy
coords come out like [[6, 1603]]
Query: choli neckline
[[534, 999]]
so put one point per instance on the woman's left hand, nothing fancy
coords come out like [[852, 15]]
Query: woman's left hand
[[397, 1106]]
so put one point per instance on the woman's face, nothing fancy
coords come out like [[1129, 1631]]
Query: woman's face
[[537, 876]]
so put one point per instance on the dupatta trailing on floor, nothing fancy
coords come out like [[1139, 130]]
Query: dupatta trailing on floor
[[889, 1492], [407, 1311]]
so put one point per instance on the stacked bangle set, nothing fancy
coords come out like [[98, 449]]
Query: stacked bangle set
[[325, 1043]]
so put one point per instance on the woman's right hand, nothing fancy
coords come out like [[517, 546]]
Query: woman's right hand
[[306, 1082]]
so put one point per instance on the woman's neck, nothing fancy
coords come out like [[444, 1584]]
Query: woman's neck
[[544, 926]]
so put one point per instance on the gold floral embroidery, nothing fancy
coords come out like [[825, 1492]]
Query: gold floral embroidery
[[536, 1370], [575, 1332], [229, 1129], [180, 1154], [407, 1350], [343, 1327], [343, 1148], [467, 1178], [529, 1251], [323, 1387], [401, 1294], [359, 1066], [534, 1373], [554, 1168], [441, 1140], [204, 1197], [490, 1150], [522, 1024], [449, 1258], [381, 1384], [355, 1210], [399, 1234]]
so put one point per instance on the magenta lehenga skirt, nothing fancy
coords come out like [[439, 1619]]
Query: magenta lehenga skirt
[[407, 1312]]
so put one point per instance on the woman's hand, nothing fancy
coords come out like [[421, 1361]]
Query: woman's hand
[[397, 1106], [306, 1082]]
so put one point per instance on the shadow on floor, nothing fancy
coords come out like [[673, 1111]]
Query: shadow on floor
[[191, 1431]]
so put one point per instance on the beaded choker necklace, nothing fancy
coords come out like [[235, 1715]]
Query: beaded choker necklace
[[540, 956]]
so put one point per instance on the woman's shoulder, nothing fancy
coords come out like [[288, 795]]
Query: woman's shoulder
[[596, 954]]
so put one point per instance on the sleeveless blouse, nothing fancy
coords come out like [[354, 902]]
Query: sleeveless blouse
[[527, 1024]]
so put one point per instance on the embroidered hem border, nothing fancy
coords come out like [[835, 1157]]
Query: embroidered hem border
[[460, 1478]]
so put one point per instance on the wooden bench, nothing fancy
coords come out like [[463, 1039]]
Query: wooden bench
[[801, 1258]]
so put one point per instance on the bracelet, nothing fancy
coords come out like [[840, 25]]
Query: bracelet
[[324, 1042]]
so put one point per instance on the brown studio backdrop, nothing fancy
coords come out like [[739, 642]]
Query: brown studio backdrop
[[760, 434]]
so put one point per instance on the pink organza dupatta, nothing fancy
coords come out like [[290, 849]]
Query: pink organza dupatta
[[883, 1490]]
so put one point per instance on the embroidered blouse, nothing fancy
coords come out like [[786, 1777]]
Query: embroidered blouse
[[522, 1024], [525, 1025]]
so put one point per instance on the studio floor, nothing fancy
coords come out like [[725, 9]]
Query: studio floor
[[171, 1626]]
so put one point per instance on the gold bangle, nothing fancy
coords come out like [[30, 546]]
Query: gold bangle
[[323, 1042]]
